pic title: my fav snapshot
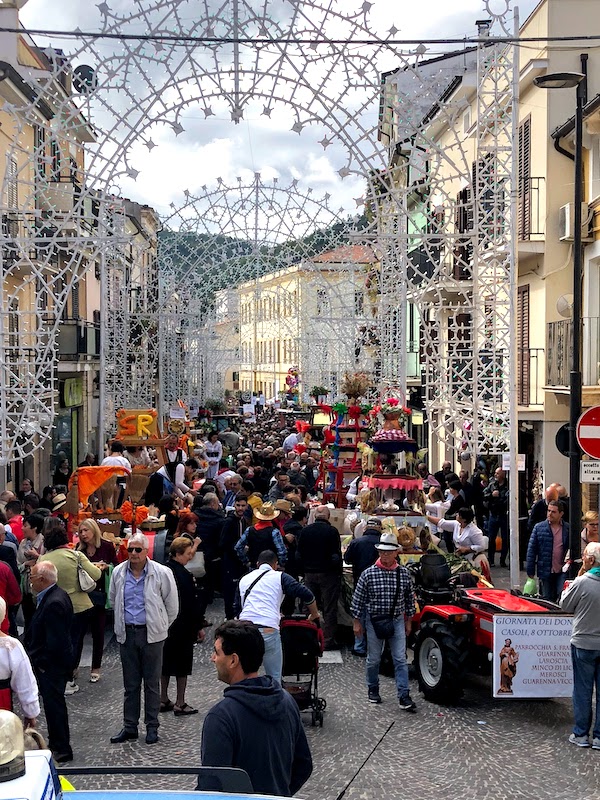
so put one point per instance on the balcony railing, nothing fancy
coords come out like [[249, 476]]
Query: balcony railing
[[530, 208], [530, 381], [78, 339], [559, 350]]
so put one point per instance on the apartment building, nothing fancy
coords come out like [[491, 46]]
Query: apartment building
[[450, 308], [317, 315]]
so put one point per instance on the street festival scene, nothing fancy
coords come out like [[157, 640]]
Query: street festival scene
[[300, 399]]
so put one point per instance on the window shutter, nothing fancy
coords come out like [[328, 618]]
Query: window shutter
[[524, 173], [523, 372]]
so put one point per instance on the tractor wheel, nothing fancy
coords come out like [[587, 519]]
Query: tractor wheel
[[440, 661]]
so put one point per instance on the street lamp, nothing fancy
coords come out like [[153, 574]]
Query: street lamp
[[574, 80]]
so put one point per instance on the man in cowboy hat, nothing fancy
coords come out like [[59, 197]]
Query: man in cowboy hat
[[385, 594], [264, 535], [361, 554]]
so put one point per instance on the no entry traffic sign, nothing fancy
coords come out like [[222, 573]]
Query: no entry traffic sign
[[588, 432]]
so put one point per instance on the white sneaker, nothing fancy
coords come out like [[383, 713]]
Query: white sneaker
[[580, 741], [71, 688], [596, 744]]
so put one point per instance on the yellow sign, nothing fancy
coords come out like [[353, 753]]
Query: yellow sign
[[73, 392], [136, 423]]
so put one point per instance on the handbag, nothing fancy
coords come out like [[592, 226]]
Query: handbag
[[383, 624], [86, 582], [196, 566]]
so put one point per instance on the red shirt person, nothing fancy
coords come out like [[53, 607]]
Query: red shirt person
[[9, 591], [14, 517]]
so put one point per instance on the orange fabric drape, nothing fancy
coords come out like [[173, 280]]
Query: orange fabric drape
[[91, 478]]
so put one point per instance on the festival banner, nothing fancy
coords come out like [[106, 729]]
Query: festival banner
[[532, 655]]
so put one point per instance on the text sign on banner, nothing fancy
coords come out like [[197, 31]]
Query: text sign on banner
[[532, 655], [520, 462], [589, 472]]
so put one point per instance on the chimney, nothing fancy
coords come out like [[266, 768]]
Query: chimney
[[483, 28]]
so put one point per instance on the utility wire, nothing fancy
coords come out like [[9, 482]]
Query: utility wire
[[186, 39], [353, 778]]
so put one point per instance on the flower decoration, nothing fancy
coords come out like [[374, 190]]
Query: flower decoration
[[392, 405], [355, 384]]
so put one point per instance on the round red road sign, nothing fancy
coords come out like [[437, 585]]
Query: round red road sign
[[588, 432]]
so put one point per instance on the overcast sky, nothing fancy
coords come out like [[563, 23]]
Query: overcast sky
[[164, 161]]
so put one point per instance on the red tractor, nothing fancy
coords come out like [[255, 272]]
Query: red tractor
[[454, 626]]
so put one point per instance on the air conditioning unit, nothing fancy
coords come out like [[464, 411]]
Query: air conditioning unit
[[566, 223]]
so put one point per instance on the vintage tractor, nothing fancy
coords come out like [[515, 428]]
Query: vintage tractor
[[453, 633]]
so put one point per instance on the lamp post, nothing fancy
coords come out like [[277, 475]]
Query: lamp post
[[574, 80]]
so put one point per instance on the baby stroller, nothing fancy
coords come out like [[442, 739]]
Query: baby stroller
[[302, 643]]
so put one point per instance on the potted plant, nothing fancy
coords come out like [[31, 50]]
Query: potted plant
[[319, 393], [215, 406]]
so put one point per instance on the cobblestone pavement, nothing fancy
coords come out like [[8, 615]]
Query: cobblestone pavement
[[481, 749]]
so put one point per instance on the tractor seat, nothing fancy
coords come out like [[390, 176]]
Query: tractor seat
[[434, 571]]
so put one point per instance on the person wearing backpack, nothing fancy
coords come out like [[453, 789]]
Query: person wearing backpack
[[264, 535]]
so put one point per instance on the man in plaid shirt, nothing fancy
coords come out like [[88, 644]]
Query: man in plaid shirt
[[377, 589]]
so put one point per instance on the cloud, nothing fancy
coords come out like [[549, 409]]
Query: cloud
[[144, 98]]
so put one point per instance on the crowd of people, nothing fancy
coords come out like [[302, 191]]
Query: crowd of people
[[239, 527]]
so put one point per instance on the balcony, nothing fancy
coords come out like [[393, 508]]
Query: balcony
[[559, 349], [531, 216], [62, 207], [78, 340], [17, 231]]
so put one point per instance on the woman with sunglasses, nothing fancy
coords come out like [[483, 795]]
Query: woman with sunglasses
[[590, 529], [102, 554]]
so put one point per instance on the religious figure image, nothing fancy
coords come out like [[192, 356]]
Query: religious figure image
[[508, 667]]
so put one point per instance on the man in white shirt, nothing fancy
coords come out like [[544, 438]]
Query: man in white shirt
[[291, 440], [117, 459], [260, 594]]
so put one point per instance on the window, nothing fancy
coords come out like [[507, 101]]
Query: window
[[523, 345], [463, 222], [524, 181], [40, 151], [323, 305], [359, 302], [55, 160], [12, 193]]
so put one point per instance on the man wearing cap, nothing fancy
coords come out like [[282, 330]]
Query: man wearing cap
[[259, 598], [144, 597], [264, 535], [361, 554], [385, 594]]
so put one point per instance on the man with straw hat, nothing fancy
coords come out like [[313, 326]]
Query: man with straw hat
[[384, 594], [264, 535]]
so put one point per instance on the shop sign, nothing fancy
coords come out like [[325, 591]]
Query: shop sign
[[532, 655], [136, 423], [73, 392]]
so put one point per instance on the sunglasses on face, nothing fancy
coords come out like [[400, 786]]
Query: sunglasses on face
[[134, 549]]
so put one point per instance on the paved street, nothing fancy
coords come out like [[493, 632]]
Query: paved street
[[483, 748]]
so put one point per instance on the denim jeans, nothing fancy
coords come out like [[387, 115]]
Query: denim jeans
[[397, 646], [273, 660], [360, 642], [552, 586], [586, 674]]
